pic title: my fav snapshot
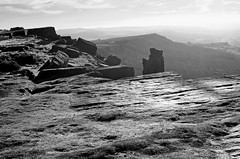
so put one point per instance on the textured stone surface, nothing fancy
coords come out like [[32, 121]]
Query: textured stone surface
[[151, 116]]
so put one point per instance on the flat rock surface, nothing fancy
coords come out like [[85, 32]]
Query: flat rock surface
[[152, 116]]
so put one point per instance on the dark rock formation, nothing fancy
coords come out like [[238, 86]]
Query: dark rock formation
[[16, 28], [52, 74], [155, 63], [60, 60], [86, 46], [8, 66], [25, 58], [46, 32], [72, 53], [114, 72], [68, 39], [112, 60], [19, 33], [15, 48]]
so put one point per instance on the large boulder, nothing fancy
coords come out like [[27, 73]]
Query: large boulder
[[71, 52], [60, 60], [86, 46], [112, 60], [45, 32], [155, 63], [114, 72]]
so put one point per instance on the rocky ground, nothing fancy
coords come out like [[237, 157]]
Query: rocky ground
[[152, 116]]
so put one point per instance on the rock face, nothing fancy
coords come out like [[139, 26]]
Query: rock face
[[46, 32], [86, 46], [112, 60], [60, 60], [155, 63]]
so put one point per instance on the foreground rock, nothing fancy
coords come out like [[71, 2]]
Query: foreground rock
[[155, 64], [151, 116]]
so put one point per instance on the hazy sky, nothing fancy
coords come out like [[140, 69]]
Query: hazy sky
[[110, 13]]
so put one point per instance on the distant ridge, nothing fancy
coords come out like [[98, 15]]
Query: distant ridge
[[188, 60]]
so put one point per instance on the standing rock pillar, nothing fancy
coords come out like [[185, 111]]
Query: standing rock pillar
[[155, 63]]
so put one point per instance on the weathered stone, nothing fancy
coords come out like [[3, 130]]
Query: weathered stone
[[19, 33], [72, 53], [25, 58], [52, 74], [15, 48], [112, 60], [16, 28], [114, 72], [60, 60], [46, 32], [8, 66], [86, 46], [61, 41], [68, 39], [155, 63]]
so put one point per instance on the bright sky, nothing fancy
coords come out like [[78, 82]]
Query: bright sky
[[113, 13]]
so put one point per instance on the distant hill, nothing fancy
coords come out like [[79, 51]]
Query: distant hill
[[188, 60]]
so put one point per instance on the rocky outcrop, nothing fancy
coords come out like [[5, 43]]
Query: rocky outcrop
[[114, 72], [46, 32], [155, 63], [60, 60], [112, 60], [72, 53], [86, 46]]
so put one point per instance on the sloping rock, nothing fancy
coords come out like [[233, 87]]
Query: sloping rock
[[155, 64], [72, 53], [45, 32], [60, 60], [52, 74], [114, 72], [112, 60], [86, 46]]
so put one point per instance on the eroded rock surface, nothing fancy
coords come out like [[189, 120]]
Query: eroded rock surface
[[150, 116]]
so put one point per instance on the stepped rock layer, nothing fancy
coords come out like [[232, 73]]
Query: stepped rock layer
[[151, 116]]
